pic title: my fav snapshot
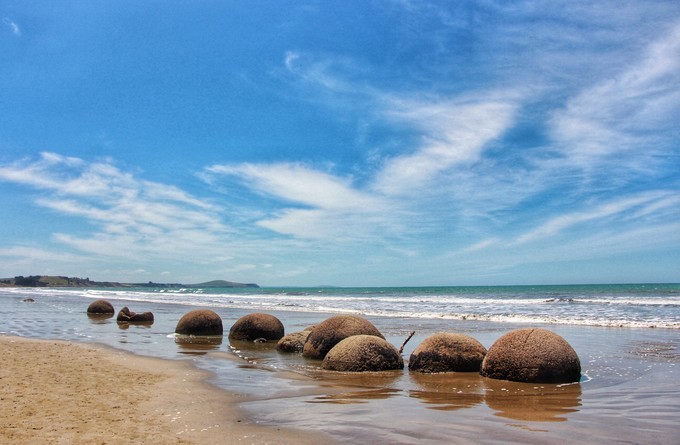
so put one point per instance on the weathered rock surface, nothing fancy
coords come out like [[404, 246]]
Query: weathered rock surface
[[447, 352], [363, 353], [256, 326], [532, 355], [293, 342], [100, 307], [127, 316], [200, 322], [333, 330]]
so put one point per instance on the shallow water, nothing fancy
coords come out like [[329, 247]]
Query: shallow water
[[627, 394]]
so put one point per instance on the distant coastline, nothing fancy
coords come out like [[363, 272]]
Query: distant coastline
[[62, 281]]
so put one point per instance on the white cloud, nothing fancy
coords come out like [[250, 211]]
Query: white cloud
[[13, 26], [127, 216], [612, 118], [554, 226], [453, 133]]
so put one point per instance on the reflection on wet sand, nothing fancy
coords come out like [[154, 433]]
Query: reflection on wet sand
[[357, 387], [99, 318], [532, 402], [197, 344], [455, 391], [448, 391]]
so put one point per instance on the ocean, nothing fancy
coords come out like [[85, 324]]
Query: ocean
[[618, 305], [627, 338]]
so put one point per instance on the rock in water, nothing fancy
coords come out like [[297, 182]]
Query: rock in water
[[126, 316], [333, 330], [255, 326], [363, 353], [534, 356], [293, 342], [446, 352], [200, 322], [100, 307]]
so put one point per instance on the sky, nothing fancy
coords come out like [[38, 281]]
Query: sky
[[354, 143]]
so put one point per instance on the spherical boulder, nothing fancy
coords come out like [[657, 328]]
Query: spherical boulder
[[363, 353], [293, 342], [256, 326], [446, 352], [333, 330], [200, 322], [100, 307], [532, 355]]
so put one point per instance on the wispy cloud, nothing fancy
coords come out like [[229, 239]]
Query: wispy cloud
[[326, 206], [640, 204], [127, 216], [453, 133], [624, 121], [12, 25]]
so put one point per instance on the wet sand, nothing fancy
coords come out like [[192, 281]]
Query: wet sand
[[66, 393]]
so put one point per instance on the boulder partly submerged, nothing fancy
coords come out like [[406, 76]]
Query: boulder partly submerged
[[127, 316], [363, 353], [447, 352], [257, 326], [332, 331], [100, 307], [200, 322], [532, 355], [293, 342]]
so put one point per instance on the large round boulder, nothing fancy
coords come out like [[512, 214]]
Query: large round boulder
[[333, 330], [257, 326], [293, 342], [446, 352], [362, 353], [532, 355], [100, 307], [200, 322]]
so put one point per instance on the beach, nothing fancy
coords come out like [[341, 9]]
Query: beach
[[627, 393], [67, 393]]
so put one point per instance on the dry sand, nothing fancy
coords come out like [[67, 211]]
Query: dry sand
[[56, 392]]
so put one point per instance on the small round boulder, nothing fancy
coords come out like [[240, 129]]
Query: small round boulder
[[200, 322], [255, 326], [293, 342], [532, 355], [333, 330], [446, 352], [100, 307], [363, 353]]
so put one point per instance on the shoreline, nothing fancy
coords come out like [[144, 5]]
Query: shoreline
[[66, 392], [627, 390]]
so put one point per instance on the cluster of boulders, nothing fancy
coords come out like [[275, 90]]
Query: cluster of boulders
[[350, 343]]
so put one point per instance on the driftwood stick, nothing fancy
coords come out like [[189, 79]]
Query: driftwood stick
[[406, 341]]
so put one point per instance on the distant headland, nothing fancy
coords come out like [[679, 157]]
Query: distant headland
[[59, 281]]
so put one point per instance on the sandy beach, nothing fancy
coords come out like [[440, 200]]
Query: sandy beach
[[66, 393]]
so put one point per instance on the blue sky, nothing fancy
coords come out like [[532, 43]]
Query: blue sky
[[348, 143]]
